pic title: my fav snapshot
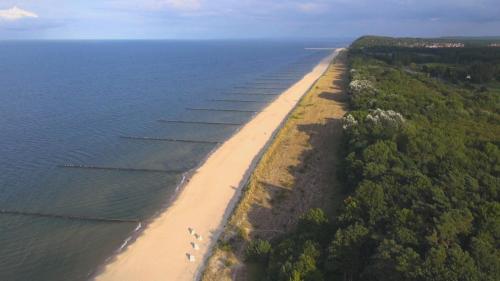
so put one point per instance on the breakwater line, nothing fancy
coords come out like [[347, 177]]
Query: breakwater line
[[200, 122], [274, 79], [67, 217], [169, 139], [90, 167], [265, 83], [282, 76], [259, 88], [230, 100], [222, 110], [252, 94]]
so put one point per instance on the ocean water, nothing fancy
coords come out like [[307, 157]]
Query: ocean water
[[77, 102]]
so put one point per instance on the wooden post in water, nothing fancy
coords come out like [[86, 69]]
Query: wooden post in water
[[200, 122], [222, 110], [66, 217], [168, 139], [90, 167]]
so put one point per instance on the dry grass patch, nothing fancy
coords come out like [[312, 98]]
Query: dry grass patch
[[296, 173]]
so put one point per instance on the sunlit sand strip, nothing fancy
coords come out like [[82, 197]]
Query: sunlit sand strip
[[176, 244]]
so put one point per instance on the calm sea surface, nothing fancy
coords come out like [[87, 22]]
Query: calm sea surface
[[74, 103]]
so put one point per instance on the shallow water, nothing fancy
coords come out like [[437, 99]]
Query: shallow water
[[72, 102]]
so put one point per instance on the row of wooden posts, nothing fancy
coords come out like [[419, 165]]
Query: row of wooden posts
[[285, 76]]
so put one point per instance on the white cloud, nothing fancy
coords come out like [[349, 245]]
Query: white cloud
[[311, 7], [185, 5], [16, 13]]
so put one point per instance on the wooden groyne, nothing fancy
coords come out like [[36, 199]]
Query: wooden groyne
[[254, 94], [267, 83], [259, 88], [200, 122], [222, 110], [245, 101], [67, 217], [289, 72], [168, 139], [275, 79], [90, 167], [293, 73], [270, 88], [284, 76]]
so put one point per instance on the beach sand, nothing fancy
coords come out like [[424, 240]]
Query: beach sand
[[295, 174], [206, 201]]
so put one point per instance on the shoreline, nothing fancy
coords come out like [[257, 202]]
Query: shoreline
[[292, 176], [206, 198]]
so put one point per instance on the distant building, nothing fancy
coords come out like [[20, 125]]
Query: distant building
[[444, 45], [432, 45]]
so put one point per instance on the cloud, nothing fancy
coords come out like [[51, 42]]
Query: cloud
[[248, 18], [310, 7], [184, 5], [16, 13]]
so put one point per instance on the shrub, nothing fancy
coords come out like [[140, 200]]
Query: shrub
[[348, 122], [258, 251], [358, 87]]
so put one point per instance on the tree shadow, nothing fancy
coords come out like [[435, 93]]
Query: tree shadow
[[314, 175], [335, 97]]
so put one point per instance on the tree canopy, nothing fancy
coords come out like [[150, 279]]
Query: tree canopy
[[421, 175]]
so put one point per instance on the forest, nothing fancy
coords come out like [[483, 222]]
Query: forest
[[420, 171], [381, 41]]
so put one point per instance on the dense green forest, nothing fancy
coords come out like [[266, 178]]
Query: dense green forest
[[420, 169], [377, 41]]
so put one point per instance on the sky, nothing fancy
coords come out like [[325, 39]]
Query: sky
[[240, 19]]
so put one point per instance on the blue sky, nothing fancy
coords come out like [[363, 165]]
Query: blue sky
[[205, 19]]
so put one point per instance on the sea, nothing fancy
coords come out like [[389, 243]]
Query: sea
[[97, 136]]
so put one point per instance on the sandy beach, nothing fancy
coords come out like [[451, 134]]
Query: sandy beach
[[294, 174], [205, 202]]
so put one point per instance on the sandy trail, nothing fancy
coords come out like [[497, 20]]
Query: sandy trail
[[205, 202]]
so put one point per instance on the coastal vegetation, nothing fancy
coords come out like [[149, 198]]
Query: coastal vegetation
[[420, 173], [450, 42]]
